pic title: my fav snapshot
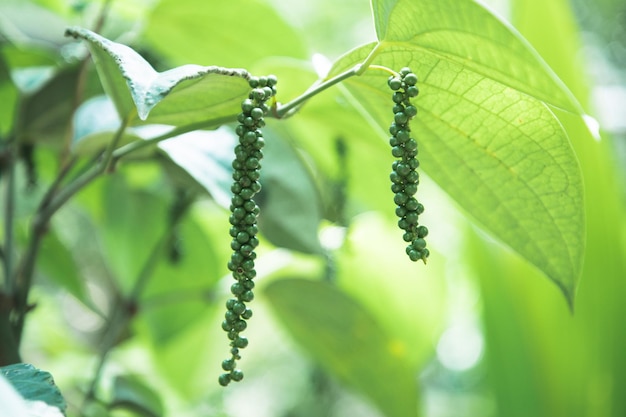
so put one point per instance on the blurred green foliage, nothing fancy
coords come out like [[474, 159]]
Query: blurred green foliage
[[344, 324]]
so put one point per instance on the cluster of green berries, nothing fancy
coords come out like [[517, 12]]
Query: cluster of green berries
[[404, 177], [243, 218]]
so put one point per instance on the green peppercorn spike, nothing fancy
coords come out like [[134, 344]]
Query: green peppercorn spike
[[244, 211], [404, 176]]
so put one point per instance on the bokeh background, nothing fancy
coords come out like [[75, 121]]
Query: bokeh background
[[482, 332]]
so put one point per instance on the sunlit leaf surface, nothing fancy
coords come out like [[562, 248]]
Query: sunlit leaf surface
[[485, 135]]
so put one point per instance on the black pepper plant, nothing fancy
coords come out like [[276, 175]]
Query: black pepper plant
[[486, 131]]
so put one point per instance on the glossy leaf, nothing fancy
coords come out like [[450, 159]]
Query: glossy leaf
[[497, 151], [131, 393], [190, 94], [347, 341], [34, 384]]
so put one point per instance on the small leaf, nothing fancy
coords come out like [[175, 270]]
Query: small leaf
[[131, 393], [290, 208], [185, 95], [347, 341], [34, 384]]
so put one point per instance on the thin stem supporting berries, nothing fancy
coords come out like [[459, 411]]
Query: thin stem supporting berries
[[404, 177], [243, 218]]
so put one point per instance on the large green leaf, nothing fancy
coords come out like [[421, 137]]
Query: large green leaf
[[227, 33], [463, 32], [347, 341], [190, 94], [496, 150], [34, 384]]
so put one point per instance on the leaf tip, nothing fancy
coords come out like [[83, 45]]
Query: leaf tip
[[570, 296]]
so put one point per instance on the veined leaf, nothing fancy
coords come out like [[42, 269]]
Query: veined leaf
[[185, 95], [484, 137], [464, 32], [345, 339]]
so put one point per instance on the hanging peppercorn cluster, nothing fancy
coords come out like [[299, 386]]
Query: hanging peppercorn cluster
[[243, 218], [404, 176]]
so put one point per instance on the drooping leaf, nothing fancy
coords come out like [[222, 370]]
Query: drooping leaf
[[190, 94], [34, 384], [131, 393], [290, 208], [347, 341], [497, 151]]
